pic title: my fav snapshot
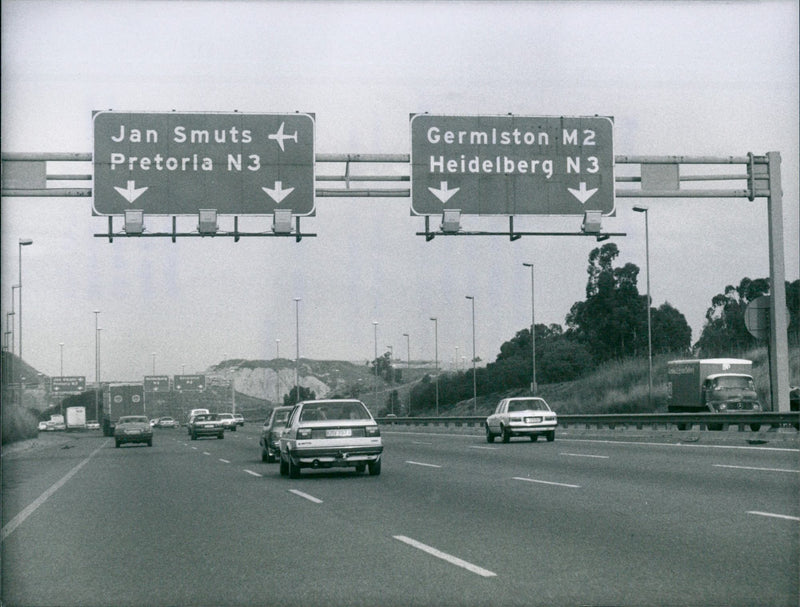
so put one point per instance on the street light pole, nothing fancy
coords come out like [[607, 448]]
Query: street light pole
[[644, 209], [61, 346], [154, 363], [97, 406], [22, 243], [375, 327], [297, 349], [474, 378], [96, 366], [436, 342], [277, 374], [408, 367], [533, 334]]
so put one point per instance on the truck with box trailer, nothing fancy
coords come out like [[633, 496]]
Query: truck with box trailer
[[712, 385], [75, 418], [121, 399]]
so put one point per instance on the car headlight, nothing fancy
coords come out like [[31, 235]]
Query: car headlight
[[756, 407], [723, 407]]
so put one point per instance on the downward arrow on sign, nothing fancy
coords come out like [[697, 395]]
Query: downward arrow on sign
[[582, 194], [443, 194], [131, 193], [278, 193]]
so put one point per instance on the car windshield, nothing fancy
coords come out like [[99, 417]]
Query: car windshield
[[137, 419], [532, 404], [330, 411], [733, 382]]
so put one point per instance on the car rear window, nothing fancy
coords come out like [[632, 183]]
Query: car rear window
[[133, 420], [527, 405], [337, 411]]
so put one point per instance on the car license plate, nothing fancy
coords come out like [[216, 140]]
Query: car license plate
[[532, 420], [338, 433]]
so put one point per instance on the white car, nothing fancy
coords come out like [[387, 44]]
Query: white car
[[42, 426], [521, 416], [330, 434], [228, 421]]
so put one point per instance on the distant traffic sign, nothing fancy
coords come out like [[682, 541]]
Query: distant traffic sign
[[74, 383], [189, 382], [512, 165], [156, 383], [173, 164]]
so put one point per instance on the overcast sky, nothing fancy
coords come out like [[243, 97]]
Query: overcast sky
[[678, 78]]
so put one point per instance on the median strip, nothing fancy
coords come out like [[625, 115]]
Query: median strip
[[445, 557], [772, 515], [533, 480]]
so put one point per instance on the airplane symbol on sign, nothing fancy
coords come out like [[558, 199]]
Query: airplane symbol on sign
[[279, 136]]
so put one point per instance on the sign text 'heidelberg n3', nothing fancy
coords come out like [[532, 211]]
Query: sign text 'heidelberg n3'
[[179, 163], [512, 165]]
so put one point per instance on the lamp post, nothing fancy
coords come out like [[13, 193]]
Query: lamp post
[[61, 346], [96, 364], [474, 378], [297, 348], [277, 375], [408, 368], [375, 327], [22, 243], [436, 351], [154, 363], [644, 209], [533, 333]]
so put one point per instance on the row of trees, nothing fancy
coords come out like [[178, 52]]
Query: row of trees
[[610, 324]]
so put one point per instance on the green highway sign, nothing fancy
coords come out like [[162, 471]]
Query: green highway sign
[[512, 165], [178, 163], [72, 383], [156, 383], [189, 382]]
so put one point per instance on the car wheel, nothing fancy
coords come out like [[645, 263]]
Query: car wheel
[[150, 443], [755, 427], [234, 428], [117, 444], [375, 468], [506, 434], [551, 436], [489, 435], [221, 435], [294, 469], [681, 427], [265, 456], [360, 468], [535, 437], [714, 427], [284, 468], [193, 435]]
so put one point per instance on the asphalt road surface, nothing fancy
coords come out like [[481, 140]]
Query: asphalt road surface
[[451, 520]]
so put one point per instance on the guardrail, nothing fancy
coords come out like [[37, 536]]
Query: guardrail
[[684, 421]]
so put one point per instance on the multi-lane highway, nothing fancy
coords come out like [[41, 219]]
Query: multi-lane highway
[[451, 520]]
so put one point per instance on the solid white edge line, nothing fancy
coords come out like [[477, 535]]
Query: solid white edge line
[[444, 556], [422, 464], [772, 515], [252, 473], [533, 480], [310, 498], [754, 468], [15, 522], [585, 455]]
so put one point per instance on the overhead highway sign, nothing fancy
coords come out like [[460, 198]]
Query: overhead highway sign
[[512, 165], [71, 383], [178, 163]]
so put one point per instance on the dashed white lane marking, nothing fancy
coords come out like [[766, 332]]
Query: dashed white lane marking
[[310, 498], [759, 469], [252, 473], [773, 515], [482, 447], [585, 455], [224, 461], [206, 453], [533, 480], [422, 464], [15, 522], [445, 557]]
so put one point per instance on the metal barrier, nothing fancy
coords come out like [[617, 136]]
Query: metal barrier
[[638, 420]]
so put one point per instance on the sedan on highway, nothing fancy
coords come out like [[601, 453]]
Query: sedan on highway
[[167, 422], [228, 421], [271, 434], [330, 433], [206, 424], [521, 416], [133, 429]]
